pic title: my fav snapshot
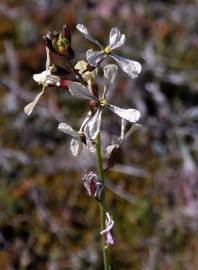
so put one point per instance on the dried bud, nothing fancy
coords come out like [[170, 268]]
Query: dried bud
[[92, 185]]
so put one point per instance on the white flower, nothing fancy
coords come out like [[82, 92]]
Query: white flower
[[76, 145], [116, 40], [92, 127], [107, 231], [44, 78]]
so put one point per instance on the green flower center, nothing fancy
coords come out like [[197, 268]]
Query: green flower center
[[103, 102], [107, 50]]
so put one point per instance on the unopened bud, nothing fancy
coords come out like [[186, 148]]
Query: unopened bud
[[92, 185]]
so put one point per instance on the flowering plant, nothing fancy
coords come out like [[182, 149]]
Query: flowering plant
[[82, 84]]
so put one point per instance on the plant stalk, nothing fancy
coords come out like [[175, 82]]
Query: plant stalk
[[102, 203]]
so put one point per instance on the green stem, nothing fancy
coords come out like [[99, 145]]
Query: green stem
[[102, 203]]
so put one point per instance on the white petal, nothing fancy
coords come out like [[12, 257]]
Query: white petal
[[116, 39], [110, 73], [41, 77], [76, 146], [29, 108], [132, 68], [94, 57], [52, 79], [90, 145], [46, 78], [68, 130], [86, 33], [79, 90], [132, 129], [130, 115], [93, 126]]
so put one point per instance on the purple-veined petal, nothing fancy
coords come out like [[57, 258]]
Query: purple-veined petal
[[94, 57], [68, 130], [131, 115], [30, 107], [76, 146], [132, 68], [93, 126], [86, 33], [110, 73], [79, 90], [116, 39]]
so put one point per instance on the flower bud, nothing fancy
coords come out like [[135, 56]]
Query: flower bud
[[109, 223], [92, 185], [60, 43]]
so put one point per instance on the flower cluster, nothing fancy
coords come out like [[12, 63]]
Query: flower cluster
[[116, 40], [45, 78], [83, 85]]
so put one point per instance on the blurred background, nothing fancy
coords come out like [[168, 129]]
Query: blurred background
[[47, 221]]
